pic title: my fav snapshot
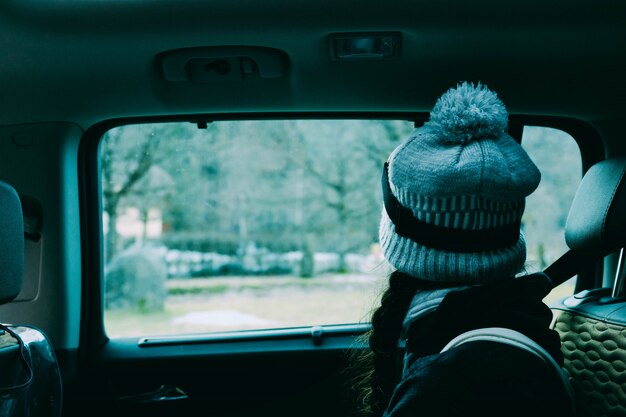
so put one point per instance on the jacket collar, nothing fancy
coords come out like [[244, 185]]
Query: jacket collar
[[424, 303]]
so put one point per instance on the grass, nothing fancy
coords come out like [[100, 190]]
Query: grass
[[241, 303], [211, 285], [200, 289]]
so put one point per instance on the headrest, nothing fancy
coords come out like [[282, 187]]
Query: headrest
[[596, 223], [11, 243]]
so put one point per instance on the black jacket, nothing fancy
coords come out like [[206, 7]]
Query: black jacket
[[482, 378]]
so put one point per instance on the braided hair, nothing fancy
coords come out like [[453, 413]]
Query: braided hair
[[376, 368]]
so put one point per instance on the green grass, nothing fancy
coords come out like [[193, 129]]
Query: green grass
[[277, 300], [205, 289], [209, 285]]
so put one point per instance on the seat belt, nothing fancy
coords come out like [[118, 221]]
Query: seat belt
[[568, 265], [516, 339]]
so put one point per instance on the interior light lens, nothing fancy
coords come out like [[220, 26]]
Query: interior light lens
[[365, 46]]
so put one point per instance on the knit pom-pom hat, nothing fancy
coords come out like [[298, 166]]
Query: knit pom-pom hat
[[454, 193]]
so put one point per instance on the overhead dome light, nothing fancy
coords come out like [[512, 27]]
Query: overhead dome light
[[364, 46]]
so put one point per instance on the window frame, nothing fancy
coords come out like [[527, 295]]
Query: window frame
[[92, 332]]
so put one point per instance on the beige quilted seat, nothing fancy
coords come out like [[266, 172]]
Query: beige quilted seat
[[594, 348]]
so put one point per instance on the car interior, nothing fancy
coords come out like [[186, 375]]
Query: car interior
[[108, 106]]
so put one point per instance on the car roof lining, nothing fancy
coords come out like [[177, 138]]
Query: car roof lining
[[83, 61]]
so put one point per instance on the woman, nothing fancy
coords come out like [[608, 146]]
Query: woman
[[454, 195]]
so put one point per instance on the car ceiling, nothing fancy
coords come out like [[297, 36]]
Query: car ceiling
[[91, 60]]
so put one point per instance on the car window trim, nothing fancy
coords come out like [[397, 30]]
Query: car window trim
[[93, 335], [315, 333]]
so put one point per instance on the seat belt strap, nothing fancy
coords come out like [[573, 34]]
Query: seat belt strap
[[568, 265]]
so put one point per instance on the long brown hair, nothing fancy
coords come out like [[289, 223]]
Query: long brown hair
[[375, 369]]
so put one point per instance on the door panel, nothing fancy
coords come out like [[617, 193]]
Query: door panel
[[290, 376]]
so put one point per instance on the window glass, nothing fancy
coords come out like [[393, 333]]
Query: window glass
[[558, 157], [270, 224], [242, 225]]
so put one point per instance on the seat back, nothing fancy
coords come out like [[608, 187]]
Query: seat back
[[592, 324], [30, 382], [518, 340]]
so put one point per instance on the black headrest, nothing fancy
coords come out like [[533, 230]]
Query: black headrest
[[596, 223], [11, 243]]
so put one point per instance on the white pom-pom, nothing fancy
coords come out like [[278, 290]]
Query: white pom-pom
[[469, 112]]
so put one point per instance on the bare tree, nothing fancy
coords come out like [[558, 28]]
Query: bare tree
[[135, 163]]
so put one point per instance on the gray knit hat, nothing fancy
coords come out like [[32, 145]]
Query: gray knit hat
[[454, 193]]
